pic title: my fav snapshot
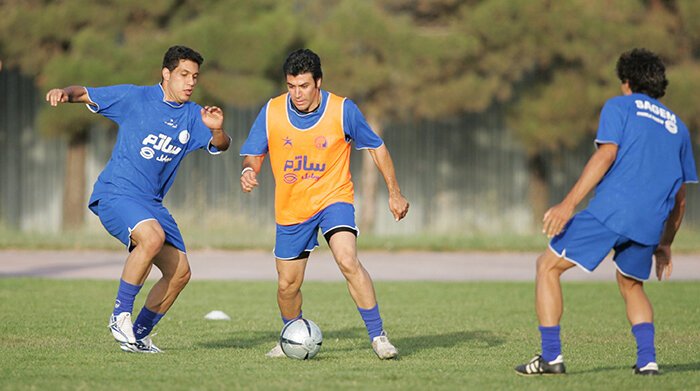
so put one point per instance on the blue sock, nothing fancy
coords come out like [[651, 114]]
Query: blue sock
[[285, 320], [551, 342], [373, 321], [145, 322], [125, 297], [646, 352]]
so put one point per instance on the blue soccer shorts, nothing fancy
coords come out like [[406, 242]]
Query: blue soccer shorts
[[585, 241], [121, 214], [298, 240]]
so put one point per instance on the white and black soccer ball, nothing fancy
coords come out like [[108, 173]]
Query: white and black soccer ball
[[301, 339]]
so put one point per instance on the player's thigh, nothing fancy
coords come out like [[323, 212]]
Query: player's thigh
[[290, 272], [584, 241], [634, 260], [340, 231]]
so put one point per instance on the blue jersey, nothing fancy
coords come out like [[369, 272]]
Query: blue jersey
[[355, 126], [154, 135], [654, 159]]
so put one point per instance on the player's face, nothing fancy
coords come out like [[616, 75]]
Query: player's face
[[179, 83], [304, 91]]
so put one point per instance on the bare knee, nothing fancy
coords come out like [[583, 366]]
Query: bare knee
[[627, 284], [551, 264], [150, 241], [288, 286], [349, 264]]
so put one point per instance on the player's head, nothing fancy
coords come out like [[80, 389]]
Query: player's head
[[302, 71], [180, 72], [643, 71]]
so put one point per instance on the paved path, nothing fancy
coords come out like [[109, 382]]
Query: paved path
[[259, 265]]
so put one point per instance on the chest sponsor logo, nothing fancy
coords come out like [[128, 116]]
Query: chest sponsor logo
[[160, 145], [320, 142], [657, 114], [300, 167]]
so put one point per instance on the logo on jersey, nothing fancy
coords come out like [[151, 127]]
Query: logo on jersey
[[161, 143], [287, 143], [289, 178], [321, 142], [308, 170], [657, 114], [184, 136], [171, 122]]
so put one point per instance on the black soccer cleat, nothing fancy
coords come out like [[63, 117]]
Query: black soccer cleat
[[651, 369], [538, 366]]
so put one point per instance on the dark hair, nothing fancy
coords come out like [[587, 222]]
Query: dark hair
[[176, 53], [644, 71], [303, 61]]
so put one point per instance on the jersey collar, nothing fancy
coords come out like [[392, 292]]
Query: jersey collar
[[161, 95]]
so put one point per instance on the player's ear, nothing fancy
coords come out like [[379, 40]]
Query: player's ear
[[165, 74], [318, 82]]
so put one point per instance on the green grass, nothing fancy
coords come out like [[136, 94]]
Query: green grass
[[451, 336], [243, 236]]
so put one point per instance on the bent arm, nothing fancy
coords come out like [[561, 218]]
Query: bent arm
[[599, 164], [249, 175], [398, 204], [71, 94], [662, 254]]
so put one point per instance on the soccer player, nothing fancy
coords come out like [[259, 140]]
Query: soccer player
[[158, 126], [643, 160], [307, 133]]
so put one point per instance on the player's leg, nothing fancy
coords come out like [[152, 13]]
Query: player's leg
[[132, 223], [634, 262], [171, 260], [344, 248], [290, 277], [293, 244], [584, 242]]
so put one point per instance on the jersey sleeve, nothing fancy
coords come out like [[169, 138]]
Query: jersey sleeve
[[612, 123], [357, 129], [690, 173], [110, 101], [256, 144]]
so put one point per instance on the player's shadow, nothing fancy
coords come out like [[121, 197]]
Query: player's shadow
[[411, 345], [689, 367], [243, 340]]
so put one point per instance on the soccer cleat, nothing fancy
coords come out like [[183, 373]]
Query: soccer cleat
[[275, 352], [651, 369], [538, 366], [384, 349], [122, 328], [144, 345]]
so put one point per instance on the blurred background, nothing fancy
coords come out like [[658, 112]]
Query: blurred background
[[489, 107]]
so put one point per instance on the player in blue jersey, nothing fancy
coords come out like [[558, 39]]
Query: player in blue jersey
[[158, 126], [643, 160]]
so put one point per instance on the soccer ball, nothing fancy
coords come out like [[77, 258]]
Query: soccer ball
[[301, 339]]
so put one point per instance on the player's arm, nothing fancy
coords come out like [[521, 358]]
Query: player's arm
[[558, 215], [664, 264], [213, 118], [249, 173], [71, 94], [398, 204]]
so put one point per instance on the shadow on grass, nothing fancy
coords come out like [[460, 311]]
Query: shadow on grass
[[406, 345], [689, 367]]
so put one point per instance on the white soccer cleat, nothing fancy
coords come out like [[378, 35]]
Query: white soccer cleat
[[144, 345], [122, 328], [384, 349], [275, 352]]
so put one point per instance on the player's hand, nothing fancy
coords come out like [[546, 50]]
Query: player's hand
[[249, 181], [213, 117], [56, 96], [664, 264], [556, 218], [398, 205]]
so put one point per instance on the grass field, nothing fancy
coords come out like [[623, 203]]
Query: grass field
[[243, 237], [451, 336]]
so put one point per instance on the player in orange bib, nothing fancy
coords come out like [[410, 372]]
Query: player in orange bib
[[307, 132]]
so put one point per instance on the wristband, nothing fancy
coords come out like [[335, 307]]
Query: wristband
[[246, 169]]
